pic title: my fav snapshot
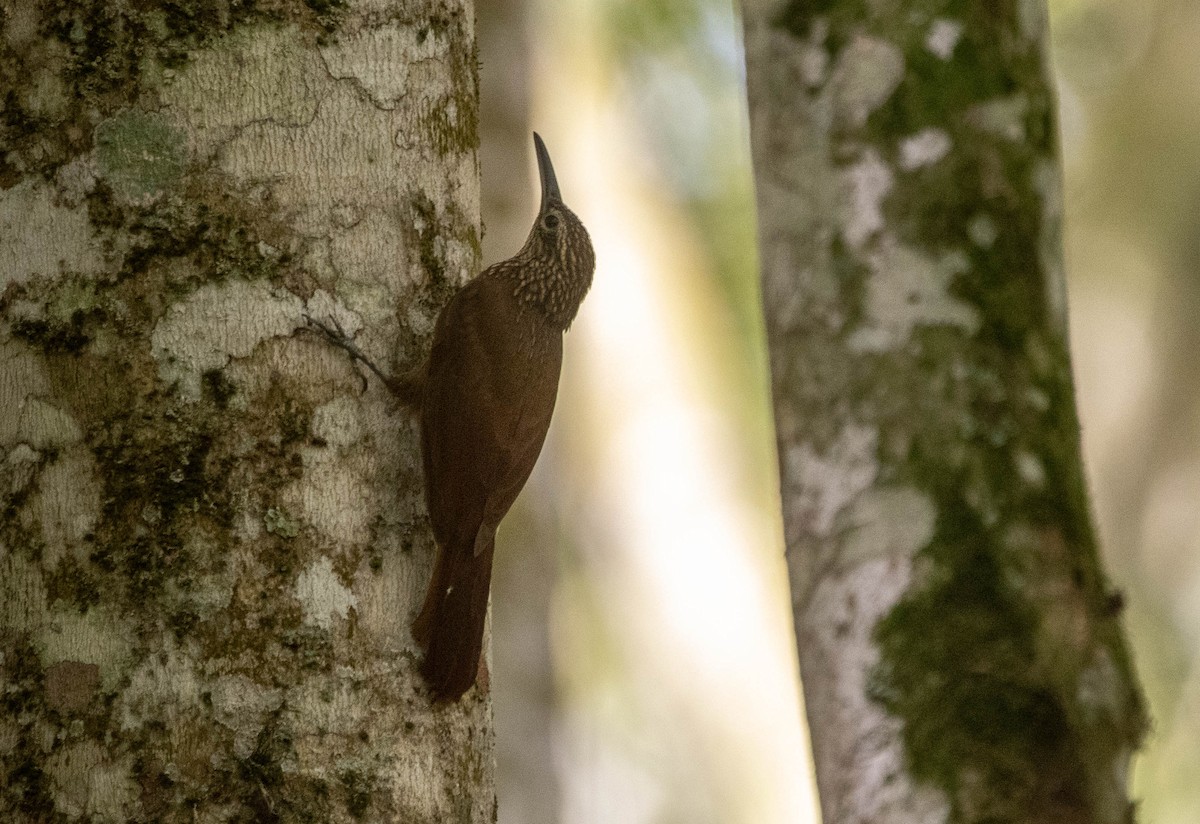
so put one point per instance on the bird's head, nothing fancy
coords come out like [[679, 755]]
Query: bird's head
[[558, 254]]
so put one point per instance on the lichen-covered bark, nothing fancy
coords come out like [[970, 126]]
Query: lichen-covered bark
[[212, 536], [959, 644]]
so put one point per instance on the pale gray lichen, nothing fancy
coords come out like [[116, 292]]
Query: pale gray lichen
[[90, 784], [166, 682], [943, 37], [96, 637], [255, 74], [886, 521], [338, 423], [864, 770], [1101, 690], [322, 595], [907, 289], [982, 230], [1004, 117], [218, 322], [822, 484], [867, 183], [242, 705], [44, 426], [336, 495], [1030, 468], [924, 148], [43, 238], [379, 60], [868, 70], [22, 594]]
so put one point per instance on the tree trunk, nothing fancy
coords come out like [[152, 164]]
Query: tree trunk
[[959, 642], [213, 535]]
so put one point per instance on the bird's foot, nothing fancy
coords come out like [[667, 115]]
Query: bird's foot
[[336, 335]]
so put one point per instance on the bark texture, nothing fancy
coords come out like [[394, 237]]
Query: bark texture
[[959, 643], [213, 538]]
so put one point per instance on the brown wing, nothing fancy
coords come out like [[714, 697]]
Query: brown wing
[[489, 394]]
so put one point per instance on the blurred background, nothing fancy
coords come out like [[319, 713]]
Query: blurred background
[[642, 651]]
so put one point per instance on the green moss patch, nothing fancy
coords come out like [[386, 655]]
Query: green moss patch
[[958, 664], [140, 153]]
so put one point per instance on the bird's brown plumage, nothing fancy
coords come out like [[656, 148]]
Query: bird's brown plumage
[[489, 391]]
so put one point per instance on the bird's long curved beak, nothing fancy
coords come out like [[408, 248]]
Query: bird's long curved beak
[[546, 172]]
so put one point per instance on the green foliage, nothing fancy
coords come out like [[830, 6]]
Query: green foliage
[[679, 65], [653, 24]]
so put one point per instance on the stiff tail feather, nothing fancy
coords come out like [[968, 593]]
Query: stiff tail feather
[[450, 624]]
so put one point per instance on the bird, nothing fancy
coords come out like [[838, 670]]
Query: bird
[[485, 396]]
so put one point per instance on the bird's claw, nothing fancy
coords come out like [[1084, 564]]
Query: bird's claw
[[337, 334], [338, 337]]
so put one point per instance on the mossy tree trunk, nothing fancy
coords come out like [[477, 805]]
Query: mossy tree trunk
[[213, 536], [959, 643]]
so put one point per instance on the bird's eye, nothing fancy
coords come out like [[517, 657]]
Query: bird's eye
[[550, 221]]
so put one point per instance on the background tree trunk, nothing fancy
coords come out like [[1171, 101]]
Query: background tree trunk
[[959, 644], [212, 535]]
